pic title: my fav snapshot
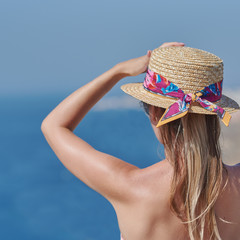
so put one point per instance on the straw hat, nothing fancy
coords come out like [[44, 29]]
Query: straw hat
[[190, 69]]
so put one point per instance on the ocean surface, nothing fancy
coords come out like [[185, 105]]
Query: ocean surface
[[39, 198]]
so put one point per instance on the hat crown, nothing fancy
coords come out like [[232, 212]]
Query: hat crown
[[191, 69]]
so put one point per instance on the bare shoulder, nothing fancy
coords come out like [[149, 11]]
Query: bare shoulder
[[234, 177], [237, 165], [234, 170], [158, 172], [153, 179]]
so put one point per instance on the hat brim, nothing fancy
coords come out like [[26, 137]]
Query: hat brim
[[137, 91]]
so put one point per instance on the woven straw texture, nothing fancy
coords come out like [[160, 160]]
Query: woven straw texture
[[190, 69]]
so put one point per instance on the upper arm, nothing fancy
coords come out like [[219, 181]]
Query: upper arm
[[108, 175]]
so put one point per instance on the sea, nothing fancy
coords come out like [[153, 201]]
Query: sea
[[39, 198]]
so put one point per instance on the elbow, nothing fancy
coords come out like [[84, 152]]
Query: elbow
[[47, 130], [45, 126], [49, 127]]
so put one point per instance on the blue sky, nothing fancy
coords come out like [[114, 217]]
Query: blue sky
[[55, 46]]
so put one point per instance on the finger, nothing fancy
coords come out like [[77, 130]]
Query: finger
[[179, 43], [149, 52], [173, 44]]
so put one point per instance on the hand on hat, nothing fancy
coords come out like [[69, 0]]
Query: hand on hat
[[136, 66]]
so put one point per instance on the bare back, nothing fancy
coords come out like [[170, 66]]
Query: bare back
[[147, 215]]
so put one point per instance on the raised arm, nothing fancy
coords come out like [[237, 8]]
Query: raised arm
[[110, 176], [104, 173]]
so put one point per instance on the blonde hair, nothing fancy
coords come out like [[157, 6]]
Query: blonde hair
[[192, 145]]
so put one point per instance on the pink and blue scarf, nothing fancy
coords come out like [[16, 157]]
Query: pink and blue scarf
[[158, 84]]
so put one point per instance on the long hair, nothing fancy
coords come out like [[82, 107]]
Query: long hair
[[192, 145]]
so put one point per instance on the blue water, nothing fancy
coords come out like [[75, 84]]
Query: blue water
[[39, 198]]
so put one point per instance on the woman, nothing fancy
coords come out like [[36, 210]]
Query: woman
[[189, 195]]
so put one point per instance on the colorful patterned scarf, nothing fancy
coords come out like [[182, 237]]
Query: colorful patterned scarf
[[158, 84]]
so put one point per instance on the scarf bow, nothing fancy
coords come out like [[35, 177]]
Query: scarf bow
[[158, 84]]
